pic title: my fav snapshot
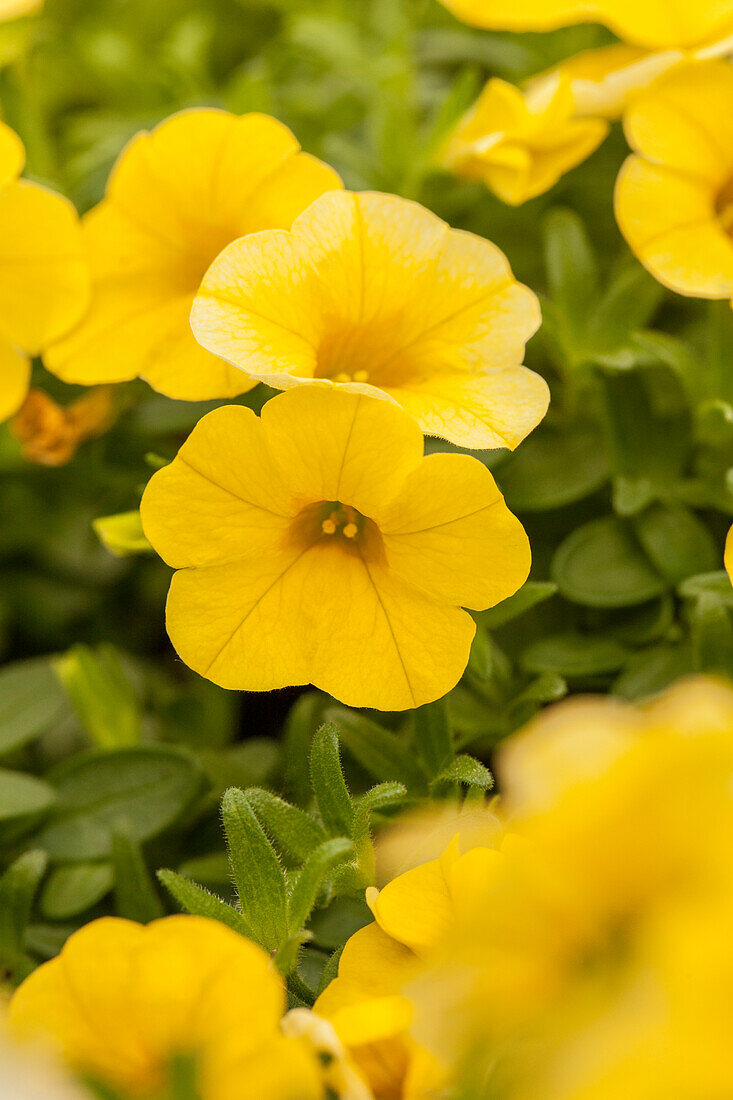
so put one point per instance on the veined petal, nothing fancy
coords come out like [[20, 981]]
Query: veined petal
[[44, 282], [451, 533], [221, 499], [15, 375], [497, 409], [338, 446]]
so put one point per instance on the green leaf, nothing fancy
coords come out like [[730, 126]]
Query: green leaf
[[320, 862], [332, 796], [467, 770], [201, 903], [30, 702], [18, 887], [432, 737], [574, 655], [72, 889], [23, 795], [101, 694], [715, 583], [293, 829], [529, 595], [379, 797], [572, 274], [258, 876], [556, 466], [677, 543], [382, 753], [141, 790], [602, 565], [136, 897], [712, 635]]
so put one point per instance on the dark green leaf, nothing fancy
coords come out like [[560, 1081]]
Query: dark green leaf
[[332, 796], [320, 862], [603, 565], [136, 897], [30, 702], [72, 889]]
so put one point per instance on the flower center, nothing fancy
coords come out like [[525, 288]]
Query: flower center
[[332, 523]]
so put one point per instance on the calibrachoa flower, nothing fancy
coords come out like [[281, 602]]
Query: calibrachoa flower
[[177, 196], [375, 294], [520, 144], [43, 278], [368, 1003], [317, 544], [651, 23], [122, 1000], [674, 197], [592, 962]]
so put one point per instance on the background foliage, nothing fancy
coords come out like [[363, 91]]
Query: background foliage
[[113, 757]]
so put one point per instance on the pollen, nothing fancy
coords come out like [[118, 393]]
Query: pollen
[[328, 527], [351, 530]]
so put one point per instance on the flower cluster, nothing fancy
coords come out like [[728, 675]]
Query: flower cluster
[[669, 80], [581, 952]]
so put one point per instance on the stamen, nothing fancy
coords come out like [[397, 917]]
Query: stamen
[[328, 527], [351, 530], [342, 377]]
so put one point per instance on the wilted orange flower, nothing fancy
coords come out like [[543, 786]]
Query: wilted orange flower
[[376, 295], [176, 197], [43, 278], [674, 197], [317, 544], [50, 434]]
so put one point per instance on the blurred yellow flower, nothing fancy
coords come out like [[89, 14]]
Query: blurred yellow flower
[[729, 554], [176, 197], [316, 544], [122, 1000], [674, 197], [375, 294], [11, 9], [595, 943], [521, 143], [367, 1003], [43, 278], [650, 23]]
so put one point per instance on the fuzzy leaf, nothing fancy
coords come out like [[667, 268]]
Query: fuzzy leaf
[[332, 795], [258, 876]]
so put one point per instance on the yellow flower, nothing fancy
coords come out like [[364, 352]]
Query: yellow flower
[[585, 946], [650, 23], [11, 9], [520, 144], [122, 1000], [367, 1003], [728, 559], [43, 279], [674, 197], [316, 544], [177, 196], [375, 294]]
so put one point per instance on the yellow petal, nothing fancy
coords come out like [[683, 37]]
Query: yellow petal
[[11, 9], [177, 196], [43, 279], [371, 964], [497, 409], [362, 458], [372, 1020], [669, 222], [320, 616], [15, 375], [12, 155], [653, 23], [679, 122], [450, 532], [417, 908], [282, 1069], [729, 553], [227, 487], [375, 293]]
